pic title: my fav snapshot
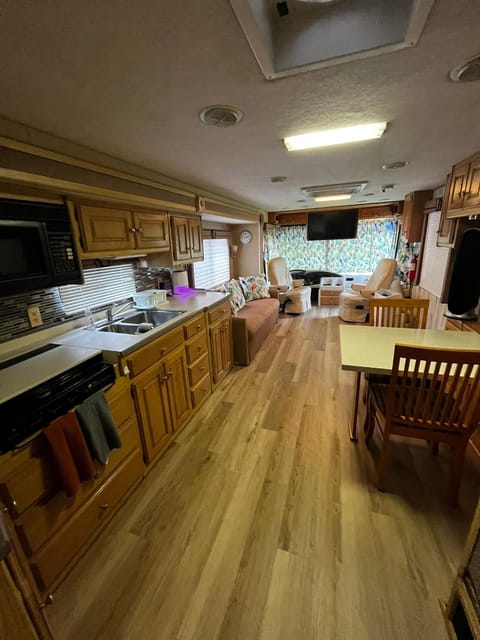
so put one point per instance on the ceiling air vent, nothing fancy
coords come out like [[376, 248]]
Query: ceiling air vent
[[467, 72], [346, 188], [220, 115]]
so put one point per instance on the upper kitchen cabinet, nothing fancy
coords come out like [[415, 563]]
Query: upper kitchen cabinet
[[463, 197], [447, 228], [413, 214], [187, 242], [105, 231]]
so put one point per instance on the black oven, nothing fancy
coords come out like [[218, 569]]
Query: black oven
[[37, 248]]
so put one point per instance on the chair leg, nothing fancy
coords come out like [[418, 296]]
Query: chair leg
[[456, 468], [382, 463]]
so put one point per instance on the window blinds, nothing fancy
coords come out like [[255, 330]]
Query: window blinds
[[215, 268], [102, 286]]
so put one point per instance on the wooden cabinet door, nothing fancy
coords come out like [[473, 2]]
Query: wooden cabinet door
[[151, 397], [446, 232], [177, 385], [151, 230], [227, 344], [216, 350], [472, 197], [458, 186], [221, 349], [181, 238], [105, 229], [196, 239]]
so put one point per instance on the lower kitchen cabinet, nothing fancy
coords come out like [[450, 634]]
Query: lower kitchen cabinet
[[52, 529], [220, 336], [162, 399], [196, 349]]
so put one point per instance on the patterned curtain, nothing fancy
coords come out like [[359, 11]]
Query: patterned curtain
[[375, 239]]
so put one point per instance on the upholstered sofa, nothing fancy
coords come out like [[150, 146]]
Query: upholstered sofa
[[254, 314], [250, 326]]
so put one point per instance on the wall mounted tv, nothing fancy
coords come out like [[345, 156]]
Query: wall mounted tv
[[332, 225]]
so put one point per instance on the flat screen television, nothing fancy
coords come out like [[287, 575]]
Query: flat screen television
[[332, 225]]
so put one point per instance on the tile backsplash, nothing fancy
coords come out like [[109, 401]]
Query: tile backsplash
[[14, 320]]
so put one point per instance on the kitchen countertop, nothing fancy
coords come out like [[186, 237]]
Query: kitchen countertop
[[115, 345]]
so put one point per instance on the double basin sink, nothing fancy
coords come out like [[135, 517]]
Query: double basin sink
[[136, 322]]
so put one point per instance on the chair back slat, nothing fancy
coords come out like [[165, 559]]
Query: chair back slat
[[435, 389], [406, 313]]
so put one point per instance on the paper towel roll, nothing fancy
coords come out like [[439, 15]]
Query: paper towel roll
[[180, 279]]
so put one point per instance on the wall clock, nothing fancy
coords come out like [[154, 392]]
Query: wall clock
[[245, 237]]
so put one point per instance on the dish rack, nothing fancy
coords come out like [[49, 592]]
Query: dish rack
[[150, 299]]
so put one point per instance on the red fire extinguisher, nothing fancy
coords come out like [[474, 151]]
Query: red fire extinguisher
[[412, 268]]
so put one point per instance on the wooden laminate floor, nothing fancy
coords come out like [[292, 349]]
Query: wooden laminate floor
[[261, 521]]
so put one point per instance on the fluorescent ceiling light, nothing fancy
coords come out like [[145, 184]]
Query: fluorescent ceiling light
[[345, 196], [335, 136]]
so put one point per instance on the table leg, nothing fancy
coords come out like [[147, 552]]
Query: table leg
[[353, 427]]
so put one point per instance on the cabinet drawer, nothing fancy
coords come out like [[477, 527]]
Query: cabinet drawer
[[219, 312], [201, 391], [39, 522], [151, 353], [199, 370], [53, 559], [197, 348], [194, 326]]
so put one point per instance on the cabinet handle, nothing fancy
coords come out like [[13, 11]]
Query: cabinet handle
[[132, 229], [199, 348], [169, 373], [198, 326], [104, 506], [163, 351], [13, 503], [47, 602], [163, 378], [202, 369], [140, 230]]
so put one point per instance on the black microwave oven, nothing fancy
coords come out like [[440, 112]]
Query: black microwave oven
[[37, 248]]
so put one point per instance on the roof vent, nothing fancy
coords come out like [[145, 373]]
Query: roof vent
[[345, 188], [466, 72], [220, 115]]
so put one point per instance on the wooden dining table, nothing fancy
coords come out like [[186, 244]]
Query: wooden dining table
[[366, 349]]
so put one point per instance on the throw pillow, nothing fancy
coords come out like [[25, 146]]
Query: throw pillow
[[255, 287], [237, 299]]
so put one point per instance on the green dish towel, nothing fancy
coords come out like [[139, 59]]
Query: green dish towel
[[98, 427]]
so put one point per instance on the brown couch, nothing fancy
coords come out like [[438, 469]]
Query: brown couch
[[251, 326]]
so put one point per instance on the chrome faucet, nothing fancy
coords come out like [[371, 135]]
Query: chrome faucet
[[113, 310]]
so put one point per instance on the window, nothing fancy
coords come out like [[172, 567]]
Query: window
[[102, 286], [215, 268]]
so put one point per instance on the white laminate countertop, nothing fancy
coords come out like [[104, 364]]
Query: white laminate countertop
[[370, 349], [114, 345], [22, 376]]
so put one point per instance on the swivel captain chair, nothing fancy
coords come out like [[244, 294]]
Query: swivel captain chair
[[354, 304], [293, 297]]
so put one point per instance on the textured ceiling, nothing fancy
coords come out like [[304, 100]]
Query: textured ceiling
[[129, 79]]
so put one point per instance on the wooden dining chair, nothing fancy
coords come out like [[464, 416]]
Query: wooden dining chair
[[434, 395], [408, 313]]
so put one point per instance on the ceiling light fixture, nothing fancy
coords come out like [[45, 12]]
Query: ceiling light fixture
[[221, 115], [467, 71], [332, 137], [278, 179], [333, 198]]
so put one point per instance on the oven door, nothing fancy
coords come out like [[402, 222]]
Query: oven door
[[24, 257]]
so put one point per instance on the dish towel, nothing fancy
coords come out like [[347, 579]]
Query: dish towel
[[98, 427], [70, 453]]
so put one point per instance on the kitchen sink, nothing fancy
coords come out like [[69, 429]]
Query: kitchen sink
[[117, 327], [140, 321], [152, 316]]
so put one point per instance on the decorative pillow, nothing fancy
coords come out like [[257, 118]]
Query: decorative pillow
[[237, 299], [255, 287]]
